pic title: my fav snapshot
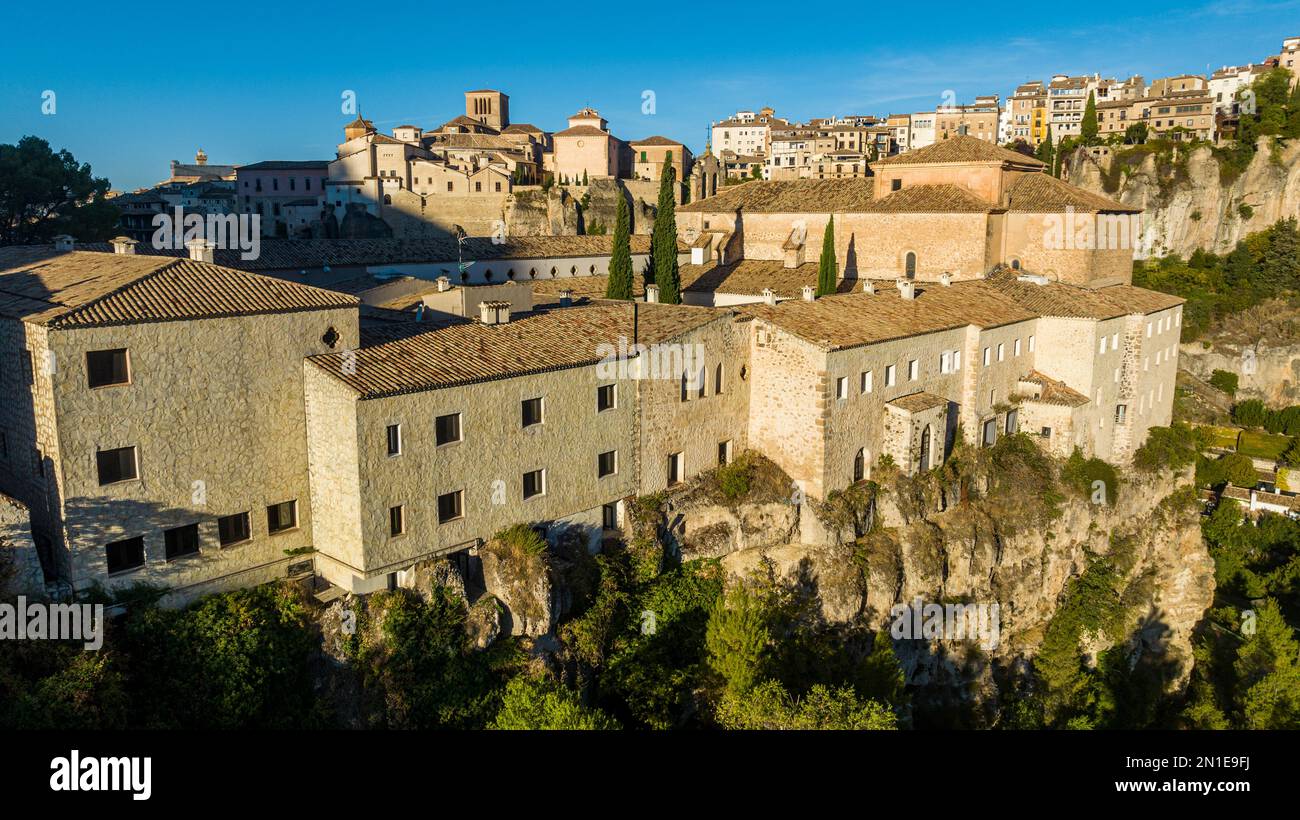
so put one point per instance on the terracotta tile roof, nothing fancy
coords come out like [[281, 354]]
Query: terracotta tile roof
[[538, 342], [582, 131], [960, 148], [82, 289], [1054, 391], [930, 199], [854, 319], [918, 402], [1042, 193], [789, 196], [1071, 302], [655, 140], [297, 254], [749, 277]]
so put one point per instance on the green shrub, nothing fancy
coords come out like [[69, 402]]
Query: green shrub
[[1081, 474], [1167, 448], [1224, 380]]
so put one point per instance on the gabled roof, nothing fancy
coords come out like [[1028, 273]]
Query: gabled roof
[[930, 199], [582, 131], [656, 140], [789, 196], [961, 149], [85, 289], [1043, 193], [541, 341], [1073, 302]]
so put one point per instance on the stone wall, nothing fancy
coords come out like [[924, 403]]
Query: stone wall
[[20, 566]]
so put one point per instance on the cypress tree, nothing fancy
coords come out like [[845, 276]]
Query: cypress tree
[[663, 242], [1046, 150], [620, 262], [1088, 128], [827, 269]]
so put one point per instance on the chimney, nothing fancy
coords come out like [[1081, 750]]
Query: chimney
[[945, 279], [124, 244], [769, 296], [494, 313], [809, 293], [652, 293], [201, 250], [566, 298], [906, 289], [63, 242], [868, 287], [444, 284]]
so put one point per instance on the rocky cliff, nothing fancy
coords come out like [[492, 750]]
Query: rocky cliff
[[1189, 202]]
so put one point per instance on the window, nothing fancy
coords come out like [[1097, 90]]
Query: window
[[1046, 432], [860, 465], [234, 529], [449, 506], [703, 382], [606, 397], [987, 358], [107, 367], [913, 370], [1121, 413], [125, 555], [116, 465], [1031, 344], [842, 387], [534, 484], [724, 452], [281, 517], [889, 375], [607, 464], [945, 362], [181, 541], [990, 432], [674, 469], [895, 184], [685, 393], [449, 188], [866, 382], [394, 439], [532, 412], [1001, 352], [1015, 350], [396, 521], [447, 428], [717, 380], [1013, 422], [910, 265], [609, 516]]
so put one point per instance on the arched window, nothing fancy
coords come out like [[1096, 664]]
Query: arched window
[[510, 274], [703, 381], [593, 270], [1015, 264], [910, 265], [552, 272], [487, 275], [860, 465], [925, 448], [717, 380], [464, 276], [532, 273], [388, 199], [573, 270]]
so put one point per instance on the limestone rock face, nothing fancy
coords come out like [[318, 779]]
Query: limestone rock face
[[1272, 375], [1194, 209], [534, 212], [426, 575], [523, 585], [713, 531], [602, 204], [483, 623]]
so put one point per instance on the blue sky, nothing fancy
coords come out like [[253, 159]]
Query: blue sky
[[139, 85]]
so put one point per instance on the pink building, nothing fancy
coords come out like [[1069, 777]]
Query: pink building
[[268, 188]]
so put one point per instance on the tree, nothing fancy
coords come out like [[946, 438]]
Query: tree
[[620, 261], [530, 703], [1088, 128], [43, 193], [1046, 150], [737, 638], [663, 240], [1137, 133], [770, 706], [828, 274], [1268, 673], [1239, 470], [1224, 380], [584, 176]]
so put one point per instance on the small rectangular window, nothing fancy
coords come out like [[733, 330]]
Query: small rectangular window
[[1001, 352], [449, 506], [116, 465], [532, 412], [987, 357], [181, 541], [724, 452], [233, 529], [889, 375], [607, 464], [534, 484], [866, 382], [447, 428], [125, 555], [396, 520], [606, 397], [281, 517], [913, 370], [1114, 341], [1015, 351], [394, 439], [842, 387], [107, 367], [1031, 344], [674, 469]]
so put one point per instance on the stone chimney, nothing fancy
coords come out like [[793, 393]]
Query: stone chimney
[[63, 242], [566, 298], [809, 293], [124, 244], [793, 248], [906, 289], [868, 287], [494, 313], [444, 284], [652, 293], [945, 279], [201, 250], [769, 296]]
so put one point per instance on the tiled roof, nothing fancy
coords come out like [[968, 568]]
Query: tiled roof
[[535, 343], [960, 148], [918, 402], [81, 289], [789, 196], [1054, 391], [1042, 193], [854, 319], [930, 199], [749, 277], [1070, 302], [655, 140], [582, 131]]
